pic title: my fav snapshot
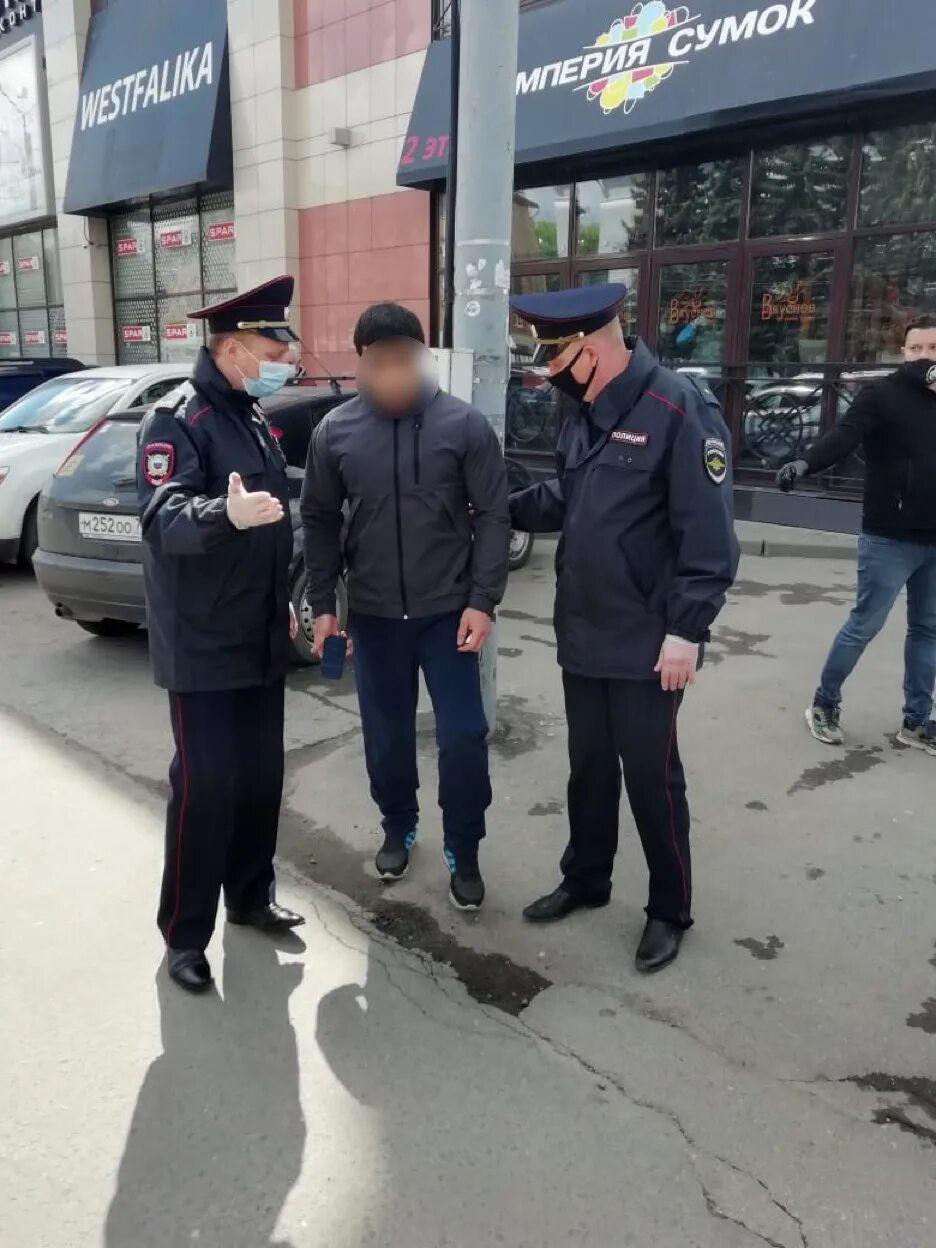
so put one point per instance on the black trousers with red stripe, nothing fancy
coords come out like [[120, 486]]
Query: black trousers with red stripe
[[629, 725], [226, 788]]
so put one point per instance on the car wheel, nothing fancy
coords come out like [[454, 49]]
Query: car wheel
[[29, 542], [521, 548], [108, 628], [302, 646]]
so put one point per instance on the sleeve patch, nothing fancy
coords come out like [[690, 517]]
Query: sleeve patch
[[158, 462], [715, 456]]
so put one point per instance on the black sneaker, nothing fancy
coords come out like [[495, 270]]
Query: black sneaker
[[393, 856], [466, 890]]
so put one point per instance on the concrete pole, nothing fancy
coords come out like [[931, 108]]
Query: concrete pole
[[483, 214]]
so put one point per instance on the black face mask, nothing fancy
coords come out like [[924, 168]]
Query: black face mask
[[921, 371], [567, 383]]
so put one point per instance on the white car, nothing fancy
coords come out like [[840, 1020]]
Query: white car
[[39, 430]]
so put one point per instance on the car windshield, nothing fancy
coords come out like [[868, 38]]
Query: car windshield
[[69, 404]]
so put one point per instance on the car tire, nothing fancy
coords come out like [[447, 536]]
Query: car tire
[[521, 548], [29, 541], [302, 646], [108, 628]]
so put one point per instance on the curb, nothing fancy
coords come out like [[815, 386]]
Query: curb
[[766, 548]]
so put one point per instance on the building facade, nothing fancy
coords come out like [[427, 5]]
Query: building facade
[[759, 176]]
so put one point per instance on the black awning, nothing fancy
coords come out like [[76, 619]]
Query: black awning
[[154, 109], [591, 80]]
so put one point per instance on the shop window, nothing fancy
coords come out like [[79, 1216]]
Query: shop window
[[800, 189], [791, 306], [898, 176], [32, 318], [893, 283], [611, 215], [627, 277], [166, 262], [532, 418], [541, 223], [693, 314], [699, 204]]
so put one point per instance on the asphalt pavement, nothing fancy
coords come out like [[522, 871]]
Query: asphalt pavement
[[405, 1077]]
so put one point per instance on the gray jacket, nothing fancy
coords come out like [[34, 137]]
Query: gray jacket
[[410, 545]]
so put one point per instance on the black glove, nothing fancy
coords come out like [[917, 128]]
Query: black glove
[[789, 474]]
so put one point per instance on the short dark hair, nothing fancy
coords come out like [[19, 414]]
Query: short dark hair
[[921, 322], [384, 321]]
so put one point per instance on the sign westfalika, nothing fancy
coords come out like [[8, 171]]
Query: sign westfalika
[[154, 107], [601, 75]]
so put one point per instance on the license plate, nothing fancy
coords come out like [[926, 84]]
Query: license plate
[[107, 528]]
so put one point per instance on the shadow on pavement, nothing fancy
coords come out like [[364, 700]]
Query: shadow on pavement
[[217, 1136]]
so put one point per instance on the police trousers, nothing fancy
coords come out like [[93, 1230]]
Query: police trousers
[[388, 657], [226, 784], [629, 726]]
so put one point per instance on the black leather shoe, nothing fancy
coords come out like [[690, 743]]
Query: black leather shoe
[[269, 918], [659, 946], [190, 970], [558, 904]]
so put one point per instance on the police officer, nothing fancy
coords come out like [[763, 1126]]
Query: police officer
[[643, 500], [217, 545]]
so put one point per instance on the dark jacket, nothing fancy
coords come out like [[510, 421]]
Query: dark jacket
[[411, 547], [646, 516], [217, 598], [895, 418]]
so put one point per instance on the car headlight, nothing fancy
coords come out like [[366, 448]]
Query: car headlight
[[4, 473]]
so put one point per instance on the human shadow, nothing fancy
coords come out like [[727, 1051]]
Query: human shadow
[[217, 1137]]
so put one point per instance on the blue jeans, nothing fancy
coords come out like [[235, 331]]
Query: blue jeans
[[388, 656], [885, 566]]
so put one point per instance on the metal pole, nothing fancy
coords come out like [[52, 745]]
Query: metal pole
[[483, 215], [451, 183]]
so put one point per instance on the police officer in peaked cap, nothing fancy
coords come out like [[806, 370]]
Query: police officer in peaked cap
[[642, 498], [217, 545]]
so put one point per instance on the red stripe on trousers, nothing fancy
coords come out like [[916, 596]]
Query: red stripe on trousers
[[180, 830], [672, 812]]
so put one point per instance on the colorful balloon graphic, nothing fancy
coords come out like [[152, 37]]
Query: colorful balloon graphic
[[626, 89]]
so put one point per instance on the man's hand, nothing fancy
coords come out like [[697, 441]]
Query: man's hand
[[677, 664], [789, 474], [249, 511], [293, 623], [474, 628], [326, 626]]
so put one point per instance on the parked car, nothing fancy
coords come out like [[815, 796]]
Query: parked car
[[89, 557], [20, 375], [39, 429]]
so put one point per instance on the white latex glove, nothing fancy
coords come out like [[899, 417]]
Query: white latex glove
[[677, 663], [249, 511]]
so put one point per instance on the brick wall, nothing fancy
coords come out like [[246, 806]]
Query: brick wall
[[355, 254]]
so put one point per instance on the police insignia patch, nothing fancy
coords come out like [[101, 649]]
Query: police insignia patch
[[716, 460], [158, 462]]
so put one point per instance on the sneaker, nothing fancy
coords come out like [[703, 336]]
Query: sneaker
[[824, 725], [393, 856], [921, 737], [466, 890]]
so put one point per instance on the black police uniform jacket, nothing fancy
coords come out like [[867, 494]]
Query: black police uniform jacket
[[217, 598], [644, 505]]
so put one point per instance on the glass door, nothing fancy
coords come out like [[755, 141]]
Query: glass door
[[791, 335], [694, 327]]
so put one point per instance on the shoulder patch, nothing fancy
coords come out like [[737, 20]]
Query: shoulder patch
[[715, 457], [158, 462]]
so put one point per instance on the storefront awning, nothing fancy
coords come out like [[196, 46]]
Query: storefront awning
[[595, 77], [154, 111]]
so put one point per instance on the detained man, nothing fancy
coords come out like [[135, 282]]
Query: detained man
[[422, 478]]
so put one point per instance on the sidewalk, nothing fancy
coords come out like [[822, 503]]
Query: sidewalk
[[779, 541]]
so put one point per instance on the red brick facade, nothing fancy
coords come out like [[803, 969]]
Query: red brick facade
[[337, 37]]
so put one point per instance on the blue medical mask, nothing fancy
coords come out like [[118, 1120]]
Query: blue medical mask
[[273, 376]]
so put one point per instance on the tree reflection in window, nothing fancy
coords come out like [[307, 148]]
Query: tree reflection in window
[[801, 188], [898, 176], [699, 203]]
